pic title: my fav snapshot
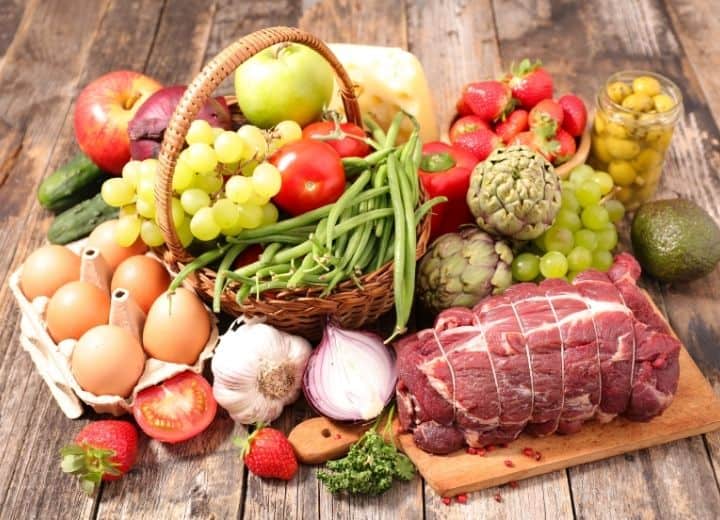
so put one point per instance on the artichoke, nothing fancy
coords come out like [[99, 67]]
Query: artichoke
[[459, 269], [514, 193]]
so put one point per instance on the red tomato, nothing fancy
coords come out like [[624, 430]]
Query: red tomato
[[346, 147], [312, 176], [177, 409]]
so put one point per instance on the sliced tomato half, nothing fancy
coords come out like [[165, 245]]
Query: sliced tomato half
[[177, 409]]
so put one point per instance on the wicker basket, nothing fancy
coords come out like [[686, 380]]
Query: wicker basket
[[300, 311]]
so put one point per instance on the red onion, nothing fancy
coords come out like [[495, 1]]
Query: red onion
[[148, 125], [350, 376]]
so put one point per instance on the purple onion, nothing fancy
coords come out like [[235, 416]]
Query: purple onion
[[350, 376], [147, 127]]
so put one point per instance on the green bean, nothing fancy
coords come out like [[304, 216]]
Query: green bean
[[393, 130], [225, 264], [410, 245], [380, 176], [358, 220], [380, 224], [400, 249], [367, 254], [427, 206], [385, 240], [299, 274], [344, 200], [375, 157], [338, 277], [198, 263], [375, 130]]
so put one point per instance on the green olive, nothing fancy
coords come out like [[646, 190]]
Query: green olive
[[617, 130], [646, 85], [600, 123], [622, 148], [618, 91], [622, 173], [659, 138], [599, 149], [663, 103], [646, 159], [652, 176], [638, 102], [624, 195]]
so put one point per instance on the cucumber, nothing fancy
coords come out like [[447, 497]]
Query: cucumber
[[75, 181], [78, 221]]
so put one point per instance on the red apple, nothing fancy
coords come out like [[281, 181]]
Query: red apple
[[102, 113]]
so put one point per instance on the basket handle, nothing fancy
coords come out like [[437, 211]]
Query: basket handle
[[200, 90]]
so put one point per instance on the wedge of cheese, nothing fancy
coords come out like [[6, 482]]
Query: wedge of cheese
[[388, 79]]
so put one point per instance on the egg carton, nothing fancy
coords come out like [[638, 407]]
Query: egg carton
[[52, 360]]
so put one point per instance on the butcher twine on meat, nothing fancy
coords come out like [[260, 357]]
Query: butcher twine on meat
[[539, 358]]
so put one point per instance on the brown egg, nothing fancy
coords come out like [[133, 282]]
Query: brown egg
[[177, 328], [108, 360], [103, 237], [47, 269], [144, 278], [74, 309]]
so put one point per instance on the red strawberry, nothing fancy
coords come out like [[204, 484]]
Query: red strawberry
[[574, 114], [268, 454], [515, 123], [462, 108], [530, 83], [479, 143], [546, 117], [537, 143], [103, 450], [467, 124], [567, 147], [490, 100]]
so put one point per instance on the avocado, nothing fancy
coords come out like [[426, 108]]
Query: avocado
[[675, 240]]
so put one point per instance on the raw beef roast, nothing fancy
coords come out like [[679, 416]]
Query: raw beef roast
[[541, 358]]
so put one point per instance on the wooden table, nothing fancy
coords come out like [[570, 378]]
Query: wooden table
[[52, 48]]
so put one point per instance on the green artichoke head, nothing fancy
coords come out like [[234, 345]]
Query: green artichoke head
[[460, 269], [514, 193]]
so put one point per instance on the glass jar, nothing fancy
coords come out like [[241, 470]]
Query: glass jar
[[635, 117]]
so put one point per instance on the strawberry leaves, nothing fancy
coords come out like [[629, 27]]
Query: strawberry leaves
[[89, 464]]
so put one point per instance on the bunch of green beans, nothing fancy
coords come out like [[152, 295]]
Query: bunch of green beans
[[372, 223]]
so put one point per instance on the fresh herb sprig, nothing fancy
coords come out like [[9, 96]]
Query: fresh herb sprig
[[371, 465]]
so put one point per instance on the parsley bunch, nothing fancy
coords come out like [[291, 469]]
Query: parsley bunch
[[370, 466]]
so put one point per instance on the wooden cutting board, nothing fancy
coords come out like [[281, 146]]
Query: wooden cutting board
[[694, 410]]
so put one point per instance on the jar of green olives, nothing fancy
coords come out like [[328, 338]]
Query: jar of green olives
[[634, 121]]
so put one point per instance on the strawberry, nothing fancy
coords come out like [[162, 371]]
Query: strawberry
[[103, 450], [490, 100], [546, 117], [462, 108], [467, 124], [479, 143], [537, 143], [530, 83], [566, 147], [515, 123], [268, 454], [574, 114]]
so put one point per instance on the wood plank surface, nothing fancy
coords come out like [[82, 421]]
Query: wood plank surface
[[50, 49]]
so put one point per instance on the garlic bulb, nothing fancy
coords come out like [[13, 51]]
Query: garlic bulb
[[258, 371]]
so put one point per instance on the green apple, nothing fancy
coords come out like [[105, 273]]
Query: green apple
[[285, 81]]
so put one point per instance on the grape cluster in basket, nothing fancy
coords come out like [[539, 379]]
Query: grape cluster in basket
[[222, 184]]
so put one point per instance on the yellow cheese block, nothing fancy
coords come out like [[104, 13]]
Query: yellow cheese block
[[388, 79]]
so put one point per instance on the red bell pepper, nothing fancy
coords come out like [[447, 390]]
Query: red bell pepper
[[445, 170]]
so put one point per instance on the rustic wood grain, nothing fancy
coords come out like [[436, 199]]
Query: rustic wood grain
[[697, 24], [622, 35], [38, 75], [456, 42], [11, 13]]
